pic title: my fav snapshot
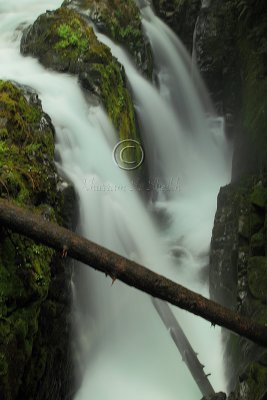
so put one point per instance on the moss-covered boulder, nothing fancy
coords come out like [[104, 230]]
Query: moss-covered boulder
[[28, 270], [64, 41], [121, 21]]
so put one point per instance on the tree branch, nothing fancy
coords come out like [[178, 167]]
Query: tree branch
[[133, 274]]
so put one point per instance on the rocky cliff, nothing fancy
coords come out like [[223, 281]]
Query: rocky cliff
[[231, 51], [35, 298], [238, 275]]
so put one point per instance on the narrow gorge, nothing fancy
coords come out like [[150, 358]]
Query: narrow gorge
[[143, 128]]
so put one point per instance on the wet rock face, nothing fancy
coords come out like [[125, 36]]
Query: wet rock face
[[230, 43], [214, 45], [217, 59], [231, 54], [230, 49], [223, 274], [238, 278], [34, 281], [64, 41], [181, 16]]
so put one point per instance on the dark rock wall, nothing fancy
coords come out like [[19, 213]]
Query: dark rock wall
[[231, 53], [217, 59], [35, 291], [238, 272], [181, 16], [52, 348]]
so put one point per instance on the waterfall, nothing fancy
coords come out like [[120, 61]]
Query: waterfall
[[126, 350]]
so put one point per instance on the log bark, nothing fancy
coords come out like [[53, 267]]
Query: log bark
[[50, 234]]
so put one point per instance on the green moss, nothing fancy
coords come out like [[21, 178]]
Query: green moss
[[3, 365], [121, 21], [259, 196], [27, 174], [71, 36], [68, 43], [257, 277], [16, 347], [252, 45], [116, 98], [255, 384], [261, 315], [256, 222], [244, 227], [258, 244], [234, 353]]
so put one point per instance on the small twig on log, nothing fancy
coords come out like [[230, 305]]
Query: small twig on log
[[133, 274]]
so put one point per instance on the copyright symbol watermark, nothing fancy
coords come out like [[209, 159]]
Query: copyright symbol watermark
[[128, 154]]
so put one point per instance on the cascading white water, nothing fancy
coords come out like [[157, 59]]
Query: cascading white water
[[173, 71], [128, 351]]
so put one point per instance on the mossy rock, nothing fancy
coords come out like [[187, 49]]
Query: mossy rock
[[27, 171], [251, 50], [252, 44], [239, 228], [28, 178], [257, 277], [260, 313], [257, 244], [256, 222], [253, 385], [121, 21], [64, 41], [244, 226], [259, 196]]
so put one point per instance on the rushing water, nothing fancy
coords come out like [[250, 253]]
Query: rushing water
[[124, 349]]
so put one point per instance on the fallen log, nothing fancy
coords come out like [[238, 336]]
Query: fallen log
[[188, 354], [50, 234]]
